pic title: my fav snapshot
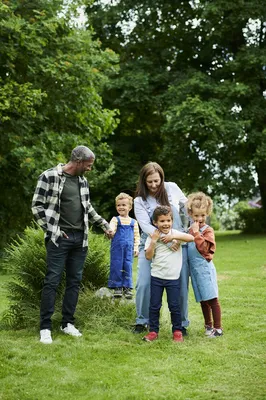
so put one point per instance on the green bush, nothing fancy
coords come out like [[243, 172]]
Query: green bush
[[26, 262], [254, 220], [214, 223]]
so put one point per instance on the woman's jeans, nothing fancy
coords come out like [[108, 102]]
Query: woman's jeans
[[173, 299], [70, 255], [143, 288]]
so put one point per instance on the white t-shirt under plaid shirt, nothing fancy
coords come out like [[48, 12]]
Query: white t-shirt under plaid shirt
[[46, 204]]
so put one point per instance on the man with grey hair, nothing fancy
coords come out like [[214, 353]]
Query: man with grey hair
[[61, 206]]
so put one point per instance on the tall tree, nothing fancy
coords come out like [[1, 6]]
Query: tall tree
[[147, 35], [191, 88], [51, 76], [220, 105]]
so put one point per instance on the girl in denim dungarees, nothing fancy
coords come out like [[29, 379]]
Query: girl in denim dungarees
[[202, 269], [151, 192]]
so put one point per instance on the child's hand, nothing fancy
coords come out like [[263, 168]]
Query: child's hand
[[136, 253], [109, 234], [194, 227], [175, 245], [166, 239], [156, 235]]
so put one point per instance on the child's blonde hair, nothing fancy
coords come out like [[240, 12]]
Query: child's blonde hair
[[124, 196], [199, 200]]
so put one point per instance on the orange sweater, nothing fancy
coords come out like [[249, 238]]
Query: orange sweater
[[205, 242]]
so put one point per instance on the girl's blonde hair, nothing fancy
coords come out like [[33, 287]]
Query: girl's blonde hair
[[124, 196], [199, 200]]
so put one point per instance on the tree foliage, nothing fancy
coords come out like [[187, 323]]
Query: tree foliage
[[51, 77], [191, 89]]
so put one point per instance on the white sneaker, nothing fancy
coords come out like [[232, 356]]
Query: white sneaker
[[208, 330], [71, 330], [45, 336]]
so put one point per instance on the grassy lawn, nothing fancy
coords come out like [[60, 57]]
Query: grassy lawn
[[119, 365]]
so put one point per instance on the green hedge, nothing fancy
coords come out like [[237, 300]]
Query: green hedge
[[26, 262], [254, 220]]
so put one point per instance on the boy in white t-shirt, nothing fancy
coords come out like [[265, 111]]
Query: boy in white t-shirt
[[165, 271]]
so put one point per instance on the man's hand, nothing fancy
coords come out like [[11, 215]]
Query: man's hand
[[63, 234], [109, 234], [136, 253]]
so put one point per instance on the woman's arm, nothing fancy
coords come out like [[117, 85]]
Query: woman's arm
[[142, 216]]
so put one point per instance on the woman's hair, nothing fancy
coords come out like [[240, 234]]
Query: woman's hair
[[124, 196], [142, 189], [199, 200], [161, 210]]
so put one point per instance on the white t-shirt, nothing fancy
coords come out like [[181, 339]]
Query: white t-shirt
[[166, 263]]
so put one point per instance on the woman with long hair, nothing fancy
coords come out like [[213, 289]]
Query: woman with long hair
[[152, 190]]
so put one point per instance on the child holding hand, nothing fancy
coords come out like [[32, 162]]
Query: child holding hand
[[165, 271], [202, 270], [124, 246]]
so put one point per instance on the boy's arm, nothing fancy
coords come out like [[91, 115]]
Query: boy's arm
[[149, 252], [113, 224], [136, 238]]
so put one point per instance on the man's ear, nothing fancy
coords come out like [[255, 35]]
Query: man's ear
[[154, 223]]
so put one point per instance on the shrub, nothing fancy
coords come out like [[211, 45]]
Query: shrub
[[214, 223], [254, 220], [26, 262]]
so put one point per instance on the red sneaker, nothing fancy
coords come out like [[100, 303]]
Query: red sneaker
[[177, 336], [150, 337]]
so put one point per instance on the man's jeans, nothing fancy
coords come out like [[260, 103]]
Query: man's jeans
[[71, 256], [173, 299]]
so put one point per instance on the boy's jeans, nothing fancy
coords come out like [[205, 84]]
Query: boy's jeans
[[173, 299]]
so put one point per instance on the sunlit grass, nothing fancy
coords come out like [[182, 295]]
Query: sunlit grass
[[109, 362]]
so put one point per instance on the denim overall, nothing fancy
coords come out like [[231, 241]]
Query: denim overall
[[122, 249], [144, 275], [203, 274]]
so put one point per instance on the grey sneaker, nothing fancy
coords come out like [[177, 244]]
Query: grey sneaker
[[45, 336], [128, 293], [71, 330], [216, 333], [208, 330], [118, 292]]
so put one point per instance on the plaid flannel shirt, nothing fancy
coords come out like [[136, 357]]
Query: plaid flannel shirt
[[46, 204]]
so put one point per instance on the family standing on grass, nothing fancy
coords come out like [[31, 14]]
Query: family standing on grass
[[167, 255]]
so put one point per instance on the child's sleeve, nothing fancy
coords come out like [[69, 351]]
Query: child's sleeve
[[113, 224], [205, 243], [136, 236]]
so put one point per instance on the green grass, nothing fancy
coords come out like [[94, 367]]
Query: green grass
[[115, 364]]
